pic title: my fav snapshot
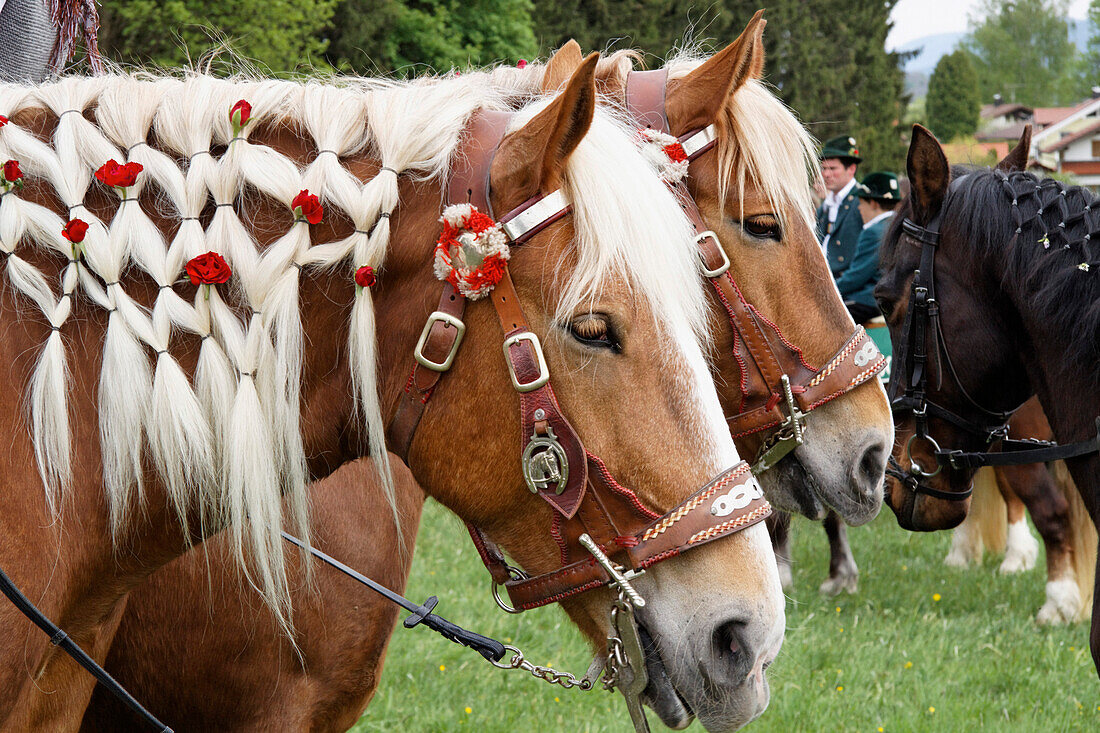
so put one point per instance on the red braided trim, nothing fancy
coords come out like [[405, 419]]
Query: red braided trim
[[620, 489], [736, 341], [774, 327], [563, 595], [649, 561], [755, 515], [555, 532]]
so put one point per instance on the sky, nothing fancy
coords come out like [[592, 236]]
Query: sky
[[916, 18]]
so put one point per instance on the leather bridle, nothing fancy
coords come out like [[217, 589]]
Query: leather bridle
[[778, 386], [922, 326], [585, 498]]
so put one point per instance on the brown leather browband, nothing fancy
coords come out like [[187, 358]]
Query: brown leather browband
[[761, 350], [556, 466]]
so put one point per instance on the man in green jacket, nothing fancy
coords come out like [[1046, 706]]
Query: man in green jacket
[[879, 194], [838, 222]]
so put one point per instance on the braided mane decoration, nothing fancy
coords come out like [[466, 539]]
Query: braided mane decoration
[[240, 460], [1041, 238], [228, 440]]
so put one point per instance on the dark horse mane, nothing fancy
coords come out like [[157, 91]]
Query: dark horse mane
[[1044, 238]]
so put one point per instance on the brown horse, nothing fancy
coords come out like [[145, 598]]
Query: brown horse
[[1048, 494], [1014, 282], [154, 604], [588, 344], [135, 653]]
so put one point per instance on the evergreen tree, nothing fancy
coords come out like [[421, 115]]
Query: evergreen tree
[[1023, 52], [953, 104], [410, 36], [280, 34], [1090, 62]]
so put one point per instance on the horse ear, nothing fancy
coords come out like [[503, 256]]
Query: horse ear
[[929, 175], [561, 66], [538, 151], [696, 100], [1017, 159]]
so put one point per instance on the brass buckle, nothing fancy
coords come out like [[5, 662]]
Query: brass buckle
[[544, 370], [721, 269], [787, 437], [418, 352]]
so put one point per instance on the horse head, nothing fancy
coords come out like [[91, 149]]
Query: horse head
[[942, 312]]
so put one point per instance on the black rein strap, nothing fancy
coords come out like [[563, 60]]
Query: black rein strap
[[61, 639], [491, 649]]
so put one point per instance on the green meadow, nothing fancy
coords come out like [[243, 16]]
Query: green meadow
[[920, 647]]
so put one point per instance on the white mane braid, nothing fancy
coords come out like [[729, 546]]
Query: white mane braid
[[228, 442]]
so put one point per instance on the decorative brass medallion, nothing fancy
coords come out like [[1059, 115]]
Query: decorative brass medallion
[[544, 463]]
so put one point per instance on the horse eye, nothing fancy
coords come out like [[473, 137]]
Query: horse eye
[[885, 306], [595, 330], [764, 226]]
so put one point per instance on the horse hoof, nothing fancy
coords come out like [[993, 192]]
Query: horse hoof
[[833, 586], [1063, 604]]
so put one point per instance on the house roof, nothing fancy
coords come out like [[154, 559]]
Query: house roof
[[992, 111], [1012, 132], [1064, 142]]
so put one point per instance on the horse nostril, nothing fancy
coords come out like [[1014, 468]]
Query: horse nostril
[[872, 466], [730, 648]]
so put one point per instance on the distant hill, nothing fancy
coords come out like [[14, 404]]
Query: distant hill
[[929, 50]]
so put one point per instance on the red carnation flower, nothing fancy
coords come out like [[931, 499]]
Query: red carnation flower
[[118, 175], [208, 269], [12, 174], [364, 276], [521, 64], [75, 230], [239, 114], [675, 152], [307, 206]]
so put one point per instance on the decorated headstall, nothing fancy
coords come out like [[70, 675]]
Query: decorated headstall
[[778, 387], [594, 516]]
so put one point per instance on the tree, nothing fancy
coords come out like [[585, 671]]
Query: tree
[[279, 34], [1022, 51], [371, 36], [954, 103]]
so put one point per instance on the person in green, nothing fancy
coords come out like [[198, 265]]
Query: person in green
[[838, 222], [879, 194]]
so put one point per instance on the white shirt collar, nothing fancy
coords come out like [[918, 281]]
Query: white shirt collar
[[833, 200], [878, 218]]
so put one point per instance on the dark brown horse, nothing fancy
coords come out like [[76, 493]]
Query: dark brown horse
[[1016, 291]]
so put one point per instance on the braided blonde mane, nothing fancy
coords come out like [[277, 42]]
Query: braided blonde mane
[[227, 440]]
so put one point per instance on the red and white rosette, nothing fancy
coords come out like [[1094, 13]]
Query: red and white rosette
[[665, 153], [471, 252]]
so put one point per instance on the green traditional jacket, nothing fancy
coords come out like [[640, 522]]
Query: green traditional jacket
[[845, 235], [857, 281]]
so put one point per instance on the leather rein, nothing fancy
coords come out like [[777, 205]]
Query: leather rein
[[778, 386], [923, 326], [589, 505]]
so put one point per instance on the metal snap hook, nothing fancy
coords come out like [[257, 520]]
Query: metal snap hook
[[914, 467]]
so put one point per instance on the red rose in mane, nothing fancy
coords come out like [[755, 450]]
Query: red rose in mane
[[3, 120], [12, 172], [675, 152], [118, 175], [208, 269], [75, 230], [239, 114], [364, 276], [307, 206]]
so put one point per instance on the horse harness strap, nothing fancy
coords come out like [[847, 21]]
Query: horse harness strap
[[585, 498], [921, 326], [774, 373]]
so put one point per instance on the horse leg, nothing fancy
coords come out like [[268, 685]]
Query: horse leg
[[843, 573], [779, 528], [1016, 482]]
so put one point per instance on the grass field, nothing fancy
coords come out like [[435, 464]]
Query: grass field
[[921, 647]]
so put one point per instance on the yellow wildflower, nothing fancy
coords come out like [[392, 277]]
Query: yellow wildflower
[[936, 597], [469, 710], [908, 665]]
